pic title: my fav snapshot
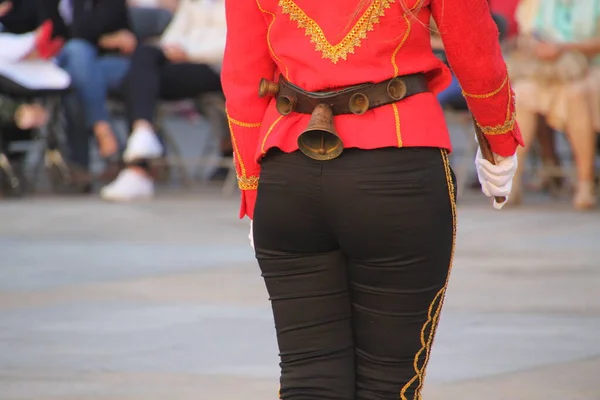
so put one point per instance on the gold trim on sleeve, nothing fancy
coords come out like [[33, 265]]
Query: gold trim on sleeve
[[244, 182], [506, 127], [247, 182], [487, 95], [352, 40], [509, 123]]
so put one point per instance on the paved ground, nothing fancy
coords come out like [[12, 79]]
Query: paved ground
[[163, 300]]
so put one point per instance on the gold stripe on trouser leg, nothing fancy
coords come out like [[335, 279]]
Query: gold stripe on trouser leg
[[433, 314]]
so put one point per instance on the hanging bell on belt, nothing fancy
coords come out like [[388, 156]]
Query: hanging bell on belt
[[320, 141]]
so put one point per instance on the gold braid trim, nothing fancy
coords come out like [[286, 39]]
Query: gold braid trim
[[487, 95], [244, 124], [352, 40], [429, 328], [247, 182], [244, 182], [511, 115]]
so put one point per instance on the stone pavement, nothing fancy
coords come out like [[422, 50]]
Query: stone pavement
[[162, 300]]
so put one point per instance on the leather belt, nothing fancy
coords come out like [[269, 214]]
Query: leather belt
[[352, 100]]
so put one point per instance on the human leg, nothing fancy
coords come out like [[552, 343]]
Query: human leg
[[141, 90], [80, 59], [528, 120], [582, 136], [305, 275], [393, 213]]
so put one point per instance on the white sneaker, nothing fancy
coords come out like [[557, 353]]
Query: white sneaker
[[142, 144], [129, 185]]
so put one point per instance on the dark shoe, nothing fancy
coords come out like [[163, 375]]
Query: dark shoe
[[71, 179], [113, 166]]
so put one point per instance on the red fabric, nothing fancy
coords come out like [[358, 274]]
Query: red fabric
[[46, 46], [507, 9], [268, 37]]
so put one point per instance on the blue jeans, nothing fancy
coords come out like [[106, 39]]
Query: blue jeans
[[452, 95], [92, 77]]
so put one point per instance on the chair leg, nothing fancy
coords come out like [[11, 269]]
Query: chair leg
[[465, 163], [15, 186], [230, 184], [175, 152]]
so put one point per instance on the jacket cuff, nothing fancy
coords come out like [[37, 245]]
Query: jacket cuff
[[247, 203], [505, 145]]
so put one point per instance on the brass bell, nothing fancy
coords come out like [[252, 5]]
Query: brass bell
[[396, 89], [359, 103], [285, 105], [320, 140], [267, 88]]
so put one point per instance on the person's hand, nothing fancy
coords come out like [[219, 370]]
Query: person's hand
[[496, 180], [547, 51], [251, 235], [175, 53], [5, 8], [122, 40], [31, 116]]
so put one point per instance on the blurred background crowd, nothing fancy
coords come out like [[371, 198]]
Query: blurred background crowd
[[70, 68]]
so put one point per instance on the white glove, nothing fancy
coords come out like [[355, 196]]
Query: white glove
[[496, 180], [251, 235]]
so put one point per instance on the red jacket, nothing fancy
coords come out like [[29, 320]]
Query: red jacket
[[321, 45]]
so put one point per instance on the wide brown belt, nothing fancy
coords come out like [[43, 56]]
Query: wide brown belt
[[320, 140], [356, 99]]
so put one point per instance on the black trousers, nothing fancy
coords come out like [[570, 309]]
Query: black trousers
[[152, 77], [355, 253]]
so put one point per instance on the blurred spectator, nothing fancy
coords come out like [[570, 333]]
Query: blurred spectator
[[18, 16], [184, 64], [556, 74], [506, 9], [150, 17], [169, 5], [31, 45], [24, 70], [96, 58]]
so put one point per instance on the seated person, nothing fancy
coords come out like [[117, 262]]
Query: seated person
[[23, 71], [182, 65], [96, 57], [149, 18], [35, 45], [556, 75]]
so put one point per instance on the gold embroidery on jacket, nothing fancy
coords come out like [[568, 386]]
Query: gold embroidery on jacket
[[244, 182], [244, 124], [511, 116], [262, 147], [396, 73], [247, 182], [352, 40], [269, 37], [487, 95]]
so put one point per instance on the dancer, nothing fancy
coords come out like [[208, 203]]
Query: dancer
[[343, 166]]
